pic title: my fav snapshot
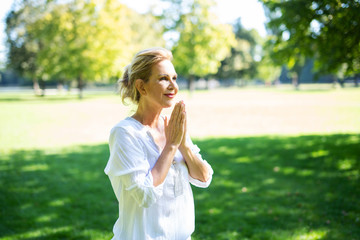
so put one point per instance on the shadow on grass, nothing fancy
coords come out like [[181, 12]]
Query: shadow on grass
[[263, 188], [281, 188], [60, 195]]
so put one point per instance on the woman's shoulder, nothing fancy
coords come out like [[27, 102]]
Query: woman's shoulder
[[129, 125]]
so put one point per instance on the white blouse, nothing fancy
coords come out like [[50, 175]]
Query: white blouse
[[165, 212]]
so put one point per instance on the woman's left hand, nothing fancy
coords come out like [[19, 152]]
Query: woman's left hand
[[183, 141], [197, 168]]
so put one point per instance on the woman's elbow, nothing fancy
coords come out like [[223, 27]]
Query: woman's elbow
[[145, 196], [203, 177]]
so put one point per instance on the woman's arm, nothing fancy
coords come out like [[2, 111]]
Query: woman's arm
[[162, 165], [174, 132], [128, 168], [197, 169]]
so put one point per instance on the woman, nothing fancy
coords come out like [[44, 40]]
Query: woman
[[152, 159]]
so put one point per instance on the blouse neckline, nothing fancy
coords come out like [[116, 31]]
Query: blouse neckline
[[147, 128], [136, 121], [139, 123]]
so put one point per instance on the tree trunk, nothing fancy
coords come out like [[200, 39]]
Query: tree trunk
[[277, 82], [36, 87], [241, 83], [81, 85], [334, 81], [191, 84], [42, 87], [68, 86], [356, 80], [341, 81], [60, 86], [295, 81], [338, 82]]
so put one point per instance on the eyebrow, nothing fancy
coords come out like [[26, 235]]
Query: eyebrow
[[166, 75]]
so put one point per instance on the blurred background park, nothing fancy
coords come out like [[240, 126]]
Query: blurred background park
[[271, 89]]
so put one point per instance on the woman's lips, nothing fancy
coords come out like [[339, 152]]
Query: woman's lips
[[170, 95]]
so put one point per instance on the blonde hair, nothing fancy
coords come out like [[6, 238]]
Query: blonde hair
[[140, 68]]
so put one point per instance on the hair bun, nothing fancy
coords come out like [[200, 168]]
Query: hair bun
[[125, 79]]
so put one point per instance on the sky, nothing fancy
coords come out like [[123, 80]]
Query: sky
[[250, 11]]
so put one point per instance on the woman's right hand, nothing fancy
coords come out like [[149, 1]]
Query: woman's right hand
[[175, 127], [174, 133]]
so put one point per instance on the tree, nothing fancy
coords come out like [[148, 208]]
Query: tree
[[267, 70], [203, 42], [328, 31], [22, 44], [86, 44], [83, 40], [243, 60]]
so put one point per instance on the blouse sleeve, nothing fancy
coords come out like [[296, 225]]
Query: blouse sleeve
[[195, 149], [128, 168]]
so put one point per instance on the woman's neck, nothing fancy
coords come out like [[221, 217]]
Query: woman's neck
[[147, 115]]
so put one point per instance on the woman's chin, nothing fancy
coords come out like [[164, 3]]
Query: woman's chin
[[169, 104]]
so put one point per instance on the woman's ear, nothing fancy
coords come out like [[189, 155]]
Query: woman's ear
[[139, 84]]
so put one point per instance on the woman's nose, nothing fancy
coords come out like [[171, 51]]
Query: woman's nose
[[173, 85]]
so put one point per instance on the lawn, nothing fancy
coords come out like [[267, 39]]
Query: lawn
[[304, 187], [287, 165]]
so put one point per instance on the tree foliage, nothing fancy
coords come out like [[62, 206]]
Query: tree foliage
[[267, 70], [203, 41], [77, 39], [328, 31], [22, 44], [243, 60]]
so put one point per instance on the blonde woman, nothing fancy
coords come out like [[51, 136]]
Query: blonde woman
[[152, 158]]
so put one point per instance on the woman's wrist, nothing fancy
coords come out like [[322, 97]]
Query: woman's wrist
[[183, 148], [171, 146]]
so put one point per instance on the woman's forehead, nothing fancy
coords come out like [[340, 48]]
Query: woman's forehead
[[164, 67]]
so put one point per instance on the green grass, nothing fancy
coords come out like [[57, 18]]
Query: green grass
[[58, 194], [30, 122], [281, 188], [264, 188], [273, 187]]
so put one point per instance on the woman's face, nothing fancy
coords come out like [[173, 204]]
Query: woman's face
[[162, 88]]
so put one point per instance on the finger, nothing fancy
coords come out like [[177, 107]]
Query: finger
[[185, 121], [180, 114], [179, 108], [181, 120], [176, 114], [175, 111], [182, 106]]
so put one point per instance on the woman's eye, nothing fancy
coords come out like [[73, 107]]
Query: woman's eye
[[163, 78]]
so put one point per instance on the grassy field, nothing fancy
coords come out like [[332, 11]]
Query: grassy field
[[287, 165]]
